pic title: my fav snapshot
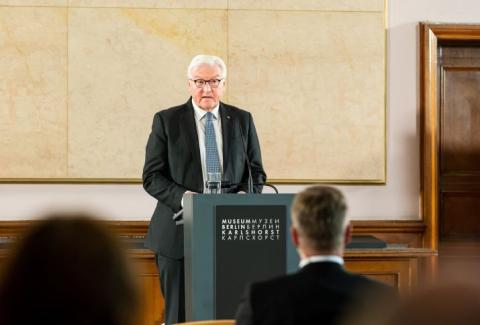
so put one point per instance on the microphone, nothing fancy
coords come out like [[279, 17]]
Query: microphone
[[227, 184], [250, 179], [271, 186]]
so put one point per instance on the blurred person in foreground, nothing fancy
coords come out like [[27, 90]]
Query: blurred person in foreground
[[322, 291], [443, 304], [68, 269], [449, 303], [453, 297]]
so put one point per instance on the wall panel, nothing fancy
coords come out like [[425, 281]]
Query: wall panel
[[84, 78]]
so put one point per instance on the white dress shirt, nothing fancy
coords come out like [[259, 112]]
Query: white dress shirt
[[200, 119], [321, 258]]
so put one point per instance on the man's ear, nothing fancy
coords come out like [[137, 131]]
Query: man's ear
[[348, 234], [294, 235]]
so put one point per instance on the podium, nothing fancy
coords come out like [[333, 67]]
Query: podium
[[229, 241]]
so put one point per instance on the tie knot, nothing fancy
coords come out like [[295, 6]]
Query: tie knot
[[209, 116]]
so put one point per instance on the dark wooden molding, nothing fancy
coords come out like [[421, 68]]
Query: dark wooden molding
[[388, 226], [14, 228], [393, 231], [123, 228], [430, 36], [409, 233], [393, 253], [129, 228]]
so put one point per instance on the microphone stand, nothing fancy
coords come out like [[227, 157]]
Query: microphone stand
[[249, 166]]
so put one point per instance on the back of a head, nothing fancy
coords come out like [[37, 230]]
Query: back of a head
[[68, 270], [319, 214]]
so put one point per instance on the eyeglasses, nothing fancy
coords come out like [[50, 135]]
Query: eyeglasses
[[200, 83]]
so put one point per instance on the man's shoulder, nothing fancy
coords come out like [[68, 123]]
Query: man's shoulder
[[234, 110], [174, 110], [320, 275]]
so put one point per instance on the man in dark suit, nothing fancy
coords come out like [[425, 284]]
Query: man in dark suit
[[321, 292], [185, 143]]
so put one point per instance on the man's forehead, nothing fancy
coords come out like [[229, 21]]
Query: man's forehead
[[206, 69]]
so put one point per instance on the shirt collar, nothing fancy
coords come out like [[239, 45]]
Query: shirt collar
[[321, 258], [200, 113]]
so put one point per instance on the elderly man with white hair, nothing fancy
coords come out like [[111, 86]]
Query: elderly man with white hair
[[187, 142]]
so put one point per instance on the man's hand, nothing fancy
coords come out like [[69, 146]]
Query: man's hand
[[187, 192]]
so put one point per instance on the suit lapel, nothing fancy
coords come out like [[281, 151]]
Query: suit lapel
[[227, 131], [186, 123]]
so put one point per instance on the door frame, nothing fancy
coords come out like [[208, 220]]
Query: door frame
[[430, 35]]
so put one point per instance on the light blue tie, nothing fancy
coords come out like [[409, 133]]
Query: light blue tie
[[211, 150]]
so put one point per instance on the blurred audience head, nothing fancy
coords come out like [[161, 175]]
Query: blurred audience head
[[449, 302], [319, 221], [444, 304], [68, 269]]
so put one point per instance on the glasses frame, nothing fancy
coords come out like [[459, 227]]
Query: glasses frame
[[209, 82]]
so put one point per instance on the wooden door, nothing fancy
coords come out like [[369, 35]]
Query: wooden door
[[459, 126], [449, 116], [459, 159]]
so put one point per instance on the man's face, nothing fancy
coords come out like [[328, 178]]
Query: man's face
[[206, 97]]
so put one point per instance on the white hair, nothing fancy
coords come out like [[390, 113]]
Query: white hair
[[211, 60]]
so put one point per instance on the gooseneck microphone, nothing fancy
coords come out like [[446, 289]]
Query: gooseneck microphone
[[228, 185], [250, 179]]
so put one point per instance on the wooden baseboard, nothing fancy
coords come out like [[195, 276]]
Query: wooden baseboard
[[123, 228], [406, 232]]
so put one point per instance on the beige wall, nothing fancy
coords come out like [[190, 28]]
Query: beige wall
[[84, 78], [398, 199]]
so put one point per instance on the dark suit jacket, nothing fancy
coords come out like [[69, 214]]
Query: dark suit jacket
[[320, 293], [173, 166]]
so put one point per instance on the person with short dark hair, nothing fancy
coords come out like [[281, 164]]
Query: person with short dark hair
[[68, 269], [322, 291]]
